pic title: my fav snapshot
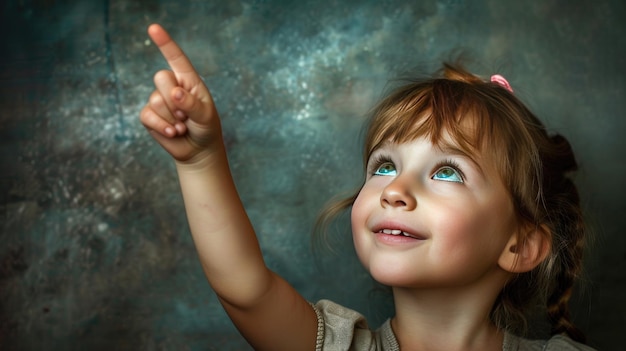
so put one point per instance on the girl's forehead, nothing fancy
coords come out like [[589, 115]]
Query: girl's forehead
[[461, 140], [444, 144], [467, 129], [462, 136]]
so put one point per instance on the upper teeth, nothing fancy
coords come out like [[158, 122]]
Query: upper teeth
[[395, 232]]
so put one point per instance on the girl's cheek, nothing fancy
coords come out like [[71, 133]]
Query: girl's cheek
[[357, 209], [361, 209]]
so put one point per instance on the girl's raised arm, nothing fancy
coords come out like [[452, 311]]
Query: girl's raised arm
[[182, 118]]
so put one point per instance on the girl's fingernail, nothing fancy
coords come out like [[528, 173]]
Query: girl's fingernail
[[169, 131], [180, 114], [179, 127], [178, 95]]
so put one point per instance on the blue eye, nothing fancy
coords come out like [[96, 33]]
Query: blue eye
[[448, 174], [385, 169]]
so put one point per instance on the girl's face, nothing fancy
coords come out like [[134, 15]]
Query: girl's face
[[429, 217]]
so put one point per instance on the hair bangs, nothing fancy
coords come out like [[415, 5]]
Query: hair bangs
[[444, 111]]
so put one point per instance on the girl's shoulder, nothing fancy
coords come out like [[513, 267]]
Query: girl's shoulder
[[556, 342]]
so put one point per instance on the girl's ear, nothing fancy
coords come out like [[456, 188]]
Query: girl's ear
[[524, 254]]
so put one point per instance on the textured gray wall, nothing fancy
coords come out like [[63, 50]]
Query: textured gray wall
[[94, 248]]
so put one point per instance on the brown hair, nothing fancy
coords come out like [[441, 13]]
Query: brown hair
[[481, 115]]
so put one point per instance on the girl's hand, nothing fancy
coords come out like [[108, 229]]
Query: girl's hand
[[180, 113]]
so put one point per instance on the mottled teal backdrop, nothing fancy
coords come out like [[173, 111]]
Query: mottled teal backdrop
[[95, 253]]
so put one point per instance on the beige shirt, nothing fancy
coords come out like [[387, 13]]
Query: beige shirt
[[340, 328]]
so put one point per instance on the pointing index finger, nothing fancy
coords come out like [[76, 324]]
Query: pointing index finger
[[174, 55]]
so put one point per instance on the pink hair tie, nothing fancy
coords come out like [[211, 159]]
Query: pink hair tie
[[496, 78]]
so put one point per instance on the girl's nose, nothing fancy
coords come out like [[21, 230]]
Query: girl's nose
[[398, 194]]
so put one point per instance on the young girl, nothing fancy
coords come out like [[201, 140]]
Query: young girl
[[465, 212]]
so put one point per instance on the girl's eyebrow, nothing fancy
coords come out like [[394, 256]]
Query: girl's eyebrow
[[456, 151], [384, 147]]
